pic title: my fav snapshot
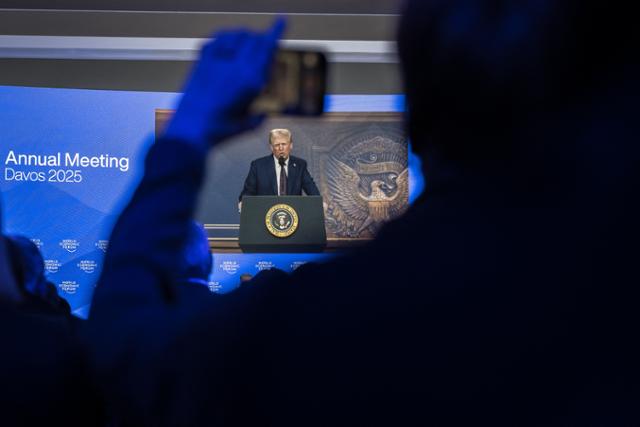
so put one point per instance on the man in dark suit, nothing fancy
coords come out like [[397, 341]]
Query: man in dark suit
[[280, 173]]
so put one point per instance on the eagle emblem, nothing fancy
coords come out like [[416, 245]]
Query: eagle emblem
[[281, 220], [368, 185]]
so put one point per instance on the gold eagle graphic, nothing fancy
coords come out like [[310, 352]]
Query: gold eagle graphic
[[386, 197]]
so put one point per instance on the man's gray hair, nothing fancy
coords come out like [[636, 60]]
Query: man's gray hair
[[280, 132]]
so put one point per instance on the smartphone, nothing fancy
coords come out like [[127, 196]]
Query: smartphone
[[297, 84]]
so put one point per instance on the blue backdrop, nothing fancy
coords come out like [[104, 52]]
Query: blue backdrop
[[70, 159]]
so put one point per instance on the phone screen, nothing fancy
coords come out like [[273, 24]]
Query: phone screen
[[297, 84]]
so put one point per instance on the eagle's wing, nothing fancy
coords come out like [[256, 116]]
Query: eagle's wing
[[343, 184], [400, 200]]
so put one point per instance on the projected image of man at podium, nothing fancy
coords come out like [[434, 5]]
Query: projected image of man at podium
[[278, 174]]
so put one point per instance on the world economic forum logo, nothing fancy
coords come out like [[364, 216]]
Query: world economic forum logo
[[294, 265], [87, 265], [281, 220], [102, 245], [229, 267], [264, 265], [69, 286], [215, 286], [52, 265], [69, 245]]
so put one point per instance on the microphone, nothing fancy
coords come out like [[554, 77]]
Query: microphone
[[281, 161]]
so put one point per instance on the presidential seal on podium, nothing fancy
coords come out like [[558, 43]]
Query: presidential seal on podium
[[281, 220]]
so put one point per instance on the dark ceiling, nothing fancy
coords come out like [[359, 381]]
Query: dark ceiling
[[359, 20], [251, 6]]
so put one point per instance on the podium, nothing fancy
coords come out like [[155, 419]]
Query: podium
[[282, 224]]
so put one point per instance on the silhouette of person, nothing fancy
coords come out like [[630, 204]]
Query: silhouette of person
[[43, 365], [502, 297], [37, 291]]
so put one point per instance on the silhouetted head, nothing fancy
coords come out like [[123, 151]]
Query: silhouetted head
[[28, 270], [475, 70], [29, 264], [8, 287]]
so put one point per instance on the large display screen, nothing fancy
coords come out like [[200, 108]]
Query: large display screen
[[71, 158]]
